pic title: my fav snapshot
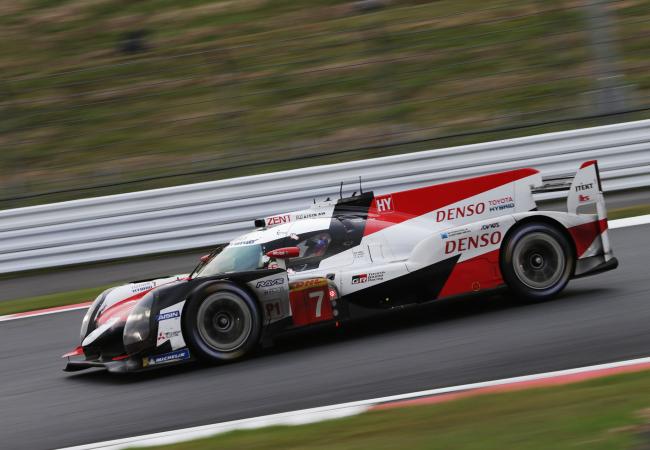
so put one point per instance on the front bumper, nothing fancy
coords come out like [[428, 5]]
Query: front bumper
[[124, 363], [121, 366]]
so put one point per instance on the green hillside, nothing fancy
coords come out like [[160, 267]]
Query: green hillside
[[99, 92]]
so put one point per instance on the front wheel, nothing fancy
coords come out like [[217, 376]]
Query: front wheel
[[537, 261], [222, 323]]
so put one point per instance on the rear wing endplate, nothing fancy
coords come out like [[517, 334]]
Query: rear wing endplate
[[584, 188]]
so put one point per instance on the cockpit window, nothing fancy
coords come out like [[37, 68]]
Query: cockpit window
[[246, 255], [313, 248], [240, 258], [315, 245]]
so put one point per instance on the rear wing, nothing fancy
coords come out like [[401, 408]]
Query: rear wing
[[585, 188]]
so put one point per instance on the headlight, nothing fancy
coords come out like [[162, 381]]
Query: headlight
[[91, 311], [138, 326]]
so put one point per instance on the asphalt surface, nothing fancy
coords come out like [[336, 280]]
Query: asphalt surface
[[599, 319]]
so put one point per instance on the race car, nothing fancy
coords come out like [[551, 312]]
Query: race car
[[351, 258]]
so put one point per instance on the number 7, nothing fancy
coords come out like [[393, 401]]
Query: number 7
[[319, 302]]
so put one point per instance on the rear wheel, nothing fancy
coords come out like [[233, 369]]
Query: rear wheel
[[537, 261], [223, 323]]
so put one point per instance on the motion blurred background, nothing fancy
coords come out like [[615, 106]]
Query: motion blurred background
[[108, 96]]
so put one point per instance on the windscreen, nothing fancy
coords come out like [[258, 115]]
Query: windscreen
[[234, 259]]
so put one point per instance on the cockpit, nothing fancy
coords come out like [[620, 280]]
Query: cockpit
[[316, 240]]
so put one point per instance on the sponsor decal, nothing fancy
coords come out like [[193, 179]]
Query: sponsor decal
[[471, 242], [167, 315], [376, 276], [452, 233], [277, 220], [359, 254], [583, 198], [269, 283], [305, 284], [272, 291], [385, 204], [459, 212], [248, 242], [490, 226], [164, 336], [501, 203], [273, 310], [310, 215], [584, 187], [286, 252], [368, 277], [361, 278], [166, 358], [142, 287]]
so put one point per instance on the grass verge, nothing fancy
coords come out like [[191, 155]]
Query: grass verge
[[107, 92], [49, 301], [607, 413], [630, 211]]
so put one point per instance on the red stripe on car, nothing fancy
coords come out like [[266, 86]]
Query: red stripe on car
[[388, 210], [475, 274], [585, 234]]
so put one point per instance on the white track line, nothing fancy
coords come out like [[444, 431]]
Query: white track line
[[612, 224], [42, 312], [312, 415], [629, 221]]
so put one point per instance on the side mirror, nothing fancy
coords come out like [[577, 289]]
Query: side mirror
[[284, 253]]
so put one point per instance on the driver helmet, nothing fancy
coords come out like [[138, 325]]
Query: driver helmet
[[320, 244]]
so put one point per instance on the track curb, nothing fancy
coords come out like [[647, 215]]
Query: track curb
[[319, 414]]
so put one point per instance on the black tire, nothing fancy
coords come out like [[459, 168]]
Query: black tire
[[537, 261], [221, 323]]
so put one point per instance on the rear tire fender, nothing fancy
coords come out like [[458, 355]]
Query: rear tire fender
[[528, 241]]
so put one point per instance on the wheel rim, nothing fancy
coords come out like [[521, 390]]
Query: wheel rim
[[224, 321], [539, 260]]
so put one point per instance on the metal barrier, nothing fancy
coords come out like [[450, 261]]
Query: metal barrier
[[204, 214]]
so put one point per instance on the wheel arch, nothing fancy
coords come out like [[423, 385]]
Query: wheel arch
[[204, 290], [538, 218], [525, 225], [224, 282]]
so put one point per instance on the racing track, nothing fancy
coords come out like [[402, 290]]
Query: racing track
[[600, 319]]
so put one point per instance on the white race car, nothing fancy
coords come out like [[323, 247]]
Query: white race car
[[352, 257]]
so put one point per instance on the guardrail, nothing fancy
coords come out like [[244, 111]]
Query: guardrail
[[204, 214]]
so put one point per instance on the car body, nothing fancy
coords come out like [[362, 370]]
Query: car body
[[350, 258]]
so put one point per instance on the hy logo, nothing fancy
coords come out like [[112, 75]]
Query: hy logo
[[384, 204]]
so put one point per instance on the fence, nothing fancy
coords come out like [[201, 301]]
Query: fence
[[204, 214]]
